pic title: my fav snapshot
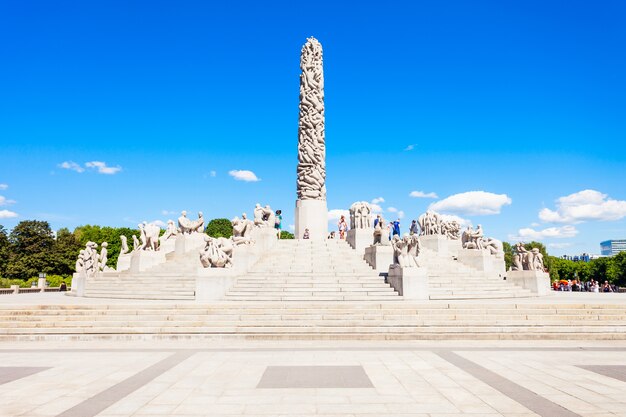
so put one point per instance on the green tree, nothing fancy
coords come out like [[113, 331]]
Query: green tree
[[617, 269], [111, 235], [508, 255], [219, 228], [31, 243], [286, 235], [599, 269], [5, 251], [65, 252]]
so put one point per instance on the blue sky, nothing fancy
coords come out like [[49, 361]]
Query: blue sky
[[512, 113]]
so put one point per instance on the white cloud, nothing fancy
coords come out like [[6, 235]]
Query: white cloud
[[335, 214], [160, 223], [584, 206], [6, 214], [392, 209], [168, 212], [410, 147], [551, 232], [292, 227], [400, 214], [5, 202], [4, 186], [72, 166], [378, 200], [460, 220], [376, 208], [103, 168], [243, 175], [472, 203], [422, 194], [213, 173]]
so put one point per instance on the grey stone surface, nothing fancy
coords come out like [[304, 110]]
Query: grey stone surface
[[11, 373], [315, 377], [612, 371]]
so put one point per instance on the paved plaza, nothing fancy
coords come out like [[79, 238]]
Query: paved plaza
[[219, 377]]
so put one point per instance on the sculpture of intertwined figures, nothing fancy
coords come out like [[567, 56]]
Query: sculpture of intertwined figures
[[311, 181], [360, 215]]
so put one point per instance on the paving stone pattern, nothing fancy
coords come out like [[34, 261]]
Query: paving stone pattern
[[363, 380]]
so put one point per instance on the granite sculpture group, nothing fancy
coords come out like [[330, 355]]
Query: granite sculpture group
[[527, 260], [89, 262]]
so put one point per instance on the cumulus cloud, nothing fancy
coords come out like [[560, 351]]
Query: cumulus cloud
[[5, 202], [103, 168], [335, 214], [213, 173], [168, 212], [392, 209], [410, 147], [584, 206], [422, 194], [72, 166], [160, 223], [243, 175], [550, 232], [472, 203], [4, 186], [451, 217], [378, 200], [6, 214], [376, 208]]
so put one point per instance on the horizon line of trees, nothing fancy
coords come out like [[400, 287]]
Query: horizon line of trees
[[31, 247]]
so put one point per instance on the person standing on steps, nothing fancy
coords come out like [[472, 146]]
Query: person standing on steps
[[342, 226], [278, 224]]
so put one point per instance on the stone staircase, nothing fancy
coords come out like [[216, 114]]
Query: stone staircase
[[308, 270], [316, 321], [173, 280], [449, 279]]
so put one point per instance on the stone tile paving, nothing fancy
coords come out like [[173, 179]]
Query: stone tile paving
[[433, 381]]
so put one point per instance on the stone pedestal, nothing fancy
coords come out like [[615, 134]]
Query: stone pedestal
[[16, 289], [142, 260], [482, 260], [78, 285], [360, 239], [244, 256], [441, 244], [411, 283], [264, 238], [312, 215], [212, 283], [379, 257], [123, 262], [536, 281], [41, 284]]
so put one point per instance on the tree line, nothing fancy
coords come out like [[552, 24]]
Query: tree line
[[32, 247]]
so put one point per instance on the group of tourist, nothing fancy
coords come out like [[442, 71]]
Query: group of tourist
[[393, 228], [588, 286]]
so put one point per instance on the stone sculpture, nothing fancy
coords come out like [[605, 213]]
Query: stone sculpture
[[432, 223], [311, 178], [87, 262], [136, 244], [264, 216], [525, 260], [405, 251], [472, 239], [124, 250], [217, 253], [103, 257], [187, 226], [149, 236], [242, 228], [171, 231], [360, 215], [381, 233]]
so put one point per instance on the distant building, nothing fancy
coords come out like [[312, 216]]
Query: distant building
[[612, 247]]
